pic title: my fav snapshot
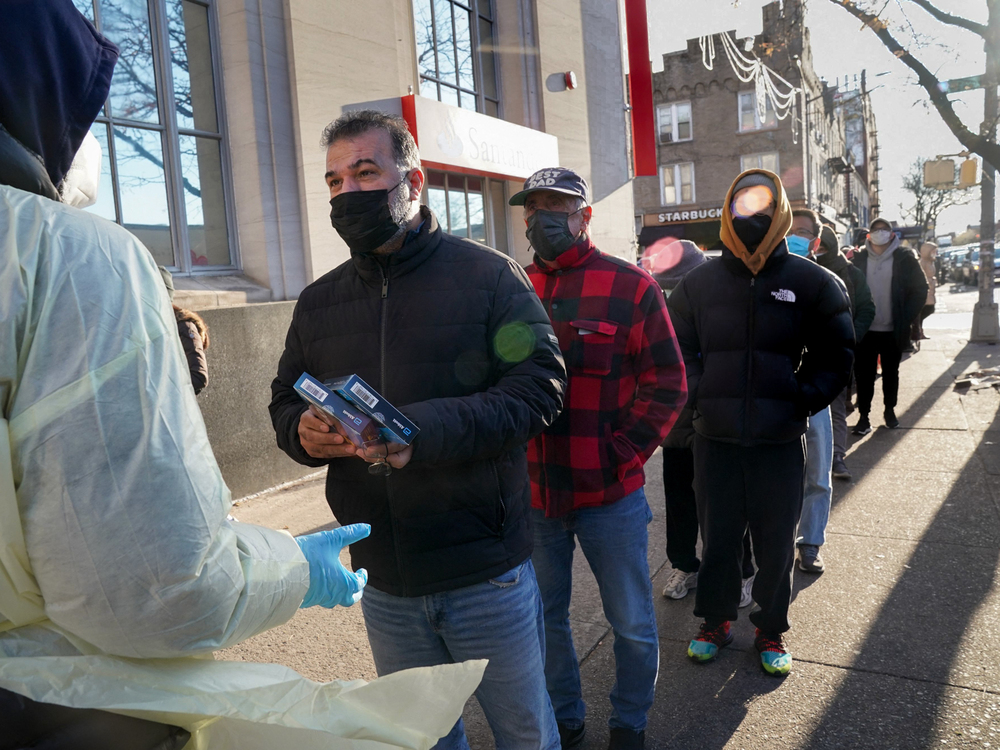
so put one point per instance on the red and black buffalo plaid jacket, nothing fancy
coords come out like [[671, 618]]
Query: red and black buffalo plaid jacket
[[626, 380]]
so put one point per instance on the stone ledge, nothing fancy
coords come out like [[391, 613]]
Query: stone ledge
[[205, 292]]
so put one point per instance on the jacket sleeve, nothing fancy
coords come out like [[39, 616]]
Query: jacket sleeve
[[864, 303], [528, 385], [915, 288], [826, 364], [682, 319], [661, 387], [195, 354], [286, 405], [122, 504]]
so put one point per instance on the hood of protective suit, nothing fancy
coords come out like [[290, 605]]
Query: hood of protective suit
[[781, 222], [49, 105]]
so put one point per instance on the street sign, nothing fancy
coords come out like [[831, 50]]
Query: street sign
[[939, 173], [961, 84]]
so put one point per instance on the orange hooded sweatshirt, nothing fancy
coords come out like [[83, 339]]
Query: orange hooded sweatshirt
[[781, 222]]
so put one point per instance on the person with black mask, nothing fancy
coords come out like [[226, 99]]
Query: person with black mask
[[452, 333], [768, 341], [626, 390]]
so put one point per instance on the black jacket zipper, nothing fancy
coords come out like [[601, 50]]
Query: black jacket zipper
[[388, 483], [749, 394]]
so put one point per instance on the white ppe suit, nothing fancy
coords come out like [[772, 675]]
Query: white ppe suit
[[115, 551]]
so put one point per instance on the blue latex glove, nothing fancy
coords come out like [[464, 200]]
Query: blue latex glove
[[330, 583]]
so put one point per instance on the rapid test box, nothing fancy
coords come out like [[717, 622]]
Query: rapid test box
[[395, 428], [358, 426]]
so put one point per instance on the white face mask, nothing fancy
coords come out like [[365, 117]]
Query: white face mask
[[880, 237], [79, 187]]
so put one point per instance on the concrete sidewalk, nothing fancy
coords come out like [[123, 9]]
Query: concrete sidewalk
[[894, 645]]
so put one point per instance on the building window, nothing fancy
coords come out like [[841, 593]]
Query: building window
[[162, 176], [468, 206], [677, 181], [760, 161], [750, 117], [674, 122], [455, 53]]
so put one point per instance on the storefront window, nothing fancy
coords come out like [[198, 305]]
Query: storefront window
[[469, 206], [760, 161], [674, 122], [455, 53], [750, 117], [163, 172], [678, 183]]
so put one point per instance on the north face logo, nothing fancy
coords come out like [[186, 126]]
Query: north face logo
[[784, 295]]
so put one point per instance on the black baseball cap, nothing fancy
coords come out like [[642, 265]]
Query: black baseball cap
[[557, 179]]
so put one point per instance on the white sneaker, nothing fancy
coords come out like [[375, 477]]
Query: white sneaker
[[746, 595], [679, 583]]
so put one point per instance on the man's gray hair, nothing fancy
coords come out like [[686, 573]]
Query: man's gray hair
[[353, 124]]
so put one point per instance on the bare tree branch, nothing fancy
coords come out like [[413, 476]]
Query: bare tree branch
[[965, 23], [974, 142]]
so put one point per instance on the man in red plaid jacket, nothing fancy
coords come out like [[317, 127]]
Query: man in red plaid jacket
[[626, 389]]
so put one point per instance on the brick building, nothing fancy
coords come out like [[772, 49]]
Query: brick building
[[709, 129]]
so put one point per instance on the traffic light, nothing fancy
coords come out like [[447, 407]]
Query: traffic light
[[968, 173], [939, 173]]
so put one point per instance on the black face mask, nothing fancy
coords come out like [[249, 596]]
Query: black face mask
[[363, 220], [751, 229], [548, 232]]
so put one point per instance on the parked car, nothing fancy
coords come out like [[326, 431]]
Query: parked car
[[970, 267], [956, 262]]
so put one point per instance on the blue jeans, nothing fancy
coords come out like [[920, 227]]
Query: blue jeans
[[499, 620], [614, 540], [818, 490]]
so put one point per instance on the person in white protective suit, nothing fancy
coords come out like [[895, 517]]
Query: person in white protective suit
[[117, 562]]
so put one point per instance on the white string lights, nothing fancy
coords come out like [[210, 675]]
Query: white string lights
[[767, 84]]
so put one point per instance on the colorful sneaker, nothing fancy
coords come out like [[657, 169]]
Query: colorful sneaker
[[705, 646], [746, 593], [773, 657], [679, 583]]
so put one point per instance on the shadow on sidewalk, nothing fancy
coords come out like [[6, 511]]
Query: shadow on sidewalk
[[921, 630]]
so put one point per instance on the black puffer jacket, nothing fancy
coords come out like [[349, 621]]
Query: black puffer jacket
[[762, 352], [453, 334]]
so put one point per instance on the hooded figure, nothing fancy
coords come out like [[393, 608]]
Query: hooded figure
[[767, 340], [117, 561]]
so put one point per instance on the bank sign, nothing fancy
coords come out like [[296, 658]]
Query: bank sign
[[458, 140], [693, 214]]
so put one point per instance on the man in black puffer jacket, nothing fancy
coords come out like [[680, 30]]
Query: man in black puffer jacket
[[453, 334], [767, 340]]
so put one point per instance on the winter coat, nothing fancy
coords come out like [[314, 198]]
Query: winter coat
[[766, 343], [453, 334], [909, 289], [194, 339], [860, 296]]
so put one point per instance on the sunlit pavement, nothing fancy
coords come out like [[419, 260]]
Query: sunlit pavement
[[894, 646]]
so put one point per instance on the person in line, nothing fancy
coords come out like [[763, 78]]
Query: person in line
[[681, 508], [451, 333], [193, 332], [626, 389], [863, 313], [899, 289], [767, 341], [817, 496], [928, 264], [114, 511]]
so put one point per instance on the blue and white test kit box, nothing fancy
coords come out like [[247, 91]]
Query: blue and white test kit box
[[395, 428], [359, 428]]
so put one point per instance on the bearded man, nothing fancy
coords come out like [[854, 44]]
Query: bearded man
[[452, 333]]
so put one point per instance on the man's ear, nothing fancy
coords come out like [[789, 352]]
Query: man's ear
[[416, 181], [587, 213]]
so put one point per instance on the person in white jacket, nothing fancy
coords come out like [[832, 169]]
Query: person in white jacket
[[116, 555]]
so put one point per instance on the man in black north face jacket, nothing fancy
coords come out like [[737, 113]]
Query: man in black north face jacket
[[453, 334], [768, 340]]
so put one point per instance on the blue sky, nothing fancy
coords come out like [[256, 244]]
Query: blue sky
[[908, 126]]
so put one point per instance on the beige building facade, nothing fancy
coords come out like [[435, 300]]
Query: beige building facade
[[212, 132]]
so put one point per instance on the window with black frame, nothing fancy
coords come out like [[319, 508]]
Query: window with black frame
[[163, 170], [455, 53]]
